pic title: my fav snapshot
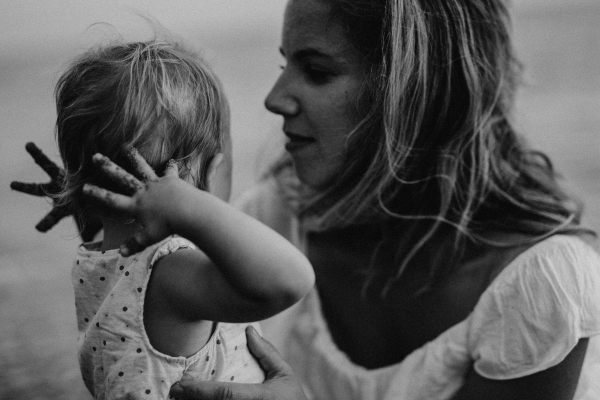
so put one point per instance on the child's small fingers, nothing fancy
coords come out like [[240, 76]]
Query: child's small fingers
[[141, 166], [35, 189], [53, 170], [121, 177], [172, 169], [52, 218], [113, 200]]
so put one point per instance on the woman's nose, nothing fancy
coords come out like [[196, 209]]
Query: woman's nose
[[280, 100]]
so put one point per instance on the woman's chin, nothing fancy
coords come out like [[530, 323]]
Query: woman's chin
[[317, 174]]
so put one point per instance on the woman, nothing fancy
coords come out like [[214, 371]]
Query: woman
[[449, 263], [435, 235]]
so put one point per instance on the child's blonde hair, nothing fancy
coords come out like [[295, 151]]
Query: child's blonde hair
[[155, 96]]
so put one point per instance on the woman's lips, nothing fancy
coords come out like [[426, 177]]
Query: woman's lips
[[296, 142], [299, 138]]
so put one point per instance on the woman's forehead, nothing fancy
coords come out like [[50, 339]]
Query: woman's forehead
[[308, 24], [306, 11]]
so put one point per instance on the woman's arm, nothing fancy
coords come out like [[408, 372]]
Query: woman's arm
[[556, 383], [245, 272]]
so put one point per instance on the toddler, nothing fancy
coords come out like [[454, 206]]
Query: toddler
[[204, 271]]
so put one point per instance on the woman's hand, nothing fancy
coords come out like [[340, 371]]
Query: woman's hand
[[87, 230], [280, 382], [149, 200]]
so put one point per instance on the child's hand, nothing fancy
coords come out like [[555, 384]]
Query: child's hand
[[87, 229], [148, 200]]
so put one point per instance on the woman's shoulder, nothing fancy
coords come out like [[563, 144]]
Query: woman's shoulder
[[564, 258], [537, 308]]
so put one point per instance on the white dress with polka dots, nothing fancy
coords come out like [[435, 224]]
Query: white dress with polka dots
[[527, 320], [116, 358]]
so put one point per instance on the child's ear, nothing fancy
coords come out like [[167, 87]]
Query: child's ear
[[213, 166]]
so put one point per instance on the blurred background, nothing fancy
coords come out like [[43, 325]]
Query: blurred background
[[559, 112]]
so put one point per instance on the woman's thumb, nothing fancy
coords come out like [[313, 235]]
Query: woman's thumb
[[267, 356]]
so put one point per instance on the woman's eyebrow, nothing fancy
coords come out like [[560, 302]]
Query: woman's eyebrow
[[314, 52]]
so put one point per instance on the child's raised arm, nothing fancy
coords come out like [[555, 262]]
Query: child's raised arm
[[245, 271]]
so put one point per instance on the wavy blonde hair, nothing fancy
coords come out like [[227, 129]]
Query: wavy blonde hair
[[156, 96], [437, 143]]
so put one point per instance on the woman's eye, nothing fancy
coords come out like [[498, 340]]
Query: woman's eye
[[318, 75]]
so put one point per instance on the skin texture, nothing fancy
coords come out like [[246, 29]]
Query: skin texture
[[317, 91], [222, 280]]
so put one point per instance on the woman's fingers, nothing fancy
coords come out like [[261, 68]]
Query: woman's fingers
[[265, 353], [141, 166], [53, 170], [121, 177], [280, 384], [196, 389]]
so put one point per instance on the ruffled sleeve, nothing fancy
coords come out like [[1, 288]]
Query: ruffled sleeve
[[168, 246], [537, 309]]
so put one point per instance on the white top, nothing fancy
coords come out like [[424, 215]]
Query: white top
[[116, 358], [527, 320]]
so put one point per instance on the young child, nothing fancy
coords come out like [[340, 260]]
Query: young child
[[182, 304]]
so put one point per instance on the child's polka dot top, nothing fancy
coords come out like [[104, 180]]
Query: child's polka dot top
[[115, 355]]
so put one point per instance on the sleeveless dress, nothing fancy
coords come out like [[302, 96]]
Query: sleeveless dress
[[116, 358], [528, 319]]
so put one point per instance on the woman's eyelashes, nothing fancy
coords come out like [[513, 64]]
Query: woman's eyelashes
[[315, 74], [318, 75]]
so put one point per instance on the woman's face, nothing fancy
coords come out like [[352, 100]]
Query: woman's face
[[317, 92]]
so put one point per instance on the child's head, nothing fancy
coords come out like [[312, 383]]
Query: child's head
[[155, 96]]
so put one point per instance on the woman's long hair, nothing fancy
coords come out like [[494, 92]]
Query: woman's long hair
[[437, 145]]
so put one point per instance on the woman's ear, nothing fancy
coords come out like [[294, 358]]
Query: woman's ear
[[211, 175]]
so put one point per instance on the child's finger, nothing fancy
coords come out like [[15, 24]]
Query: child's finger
[[35, 189], [52, 218], [112, 200], [135, 244], [172, 169], [53, 170], [141, 166], [121, 177]]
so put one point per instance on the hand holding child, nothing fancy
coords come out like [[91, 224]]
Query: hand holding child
[[280, 383]]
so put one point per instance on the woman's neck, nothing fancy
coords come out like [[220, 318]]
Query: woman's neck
[[117, 231]]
